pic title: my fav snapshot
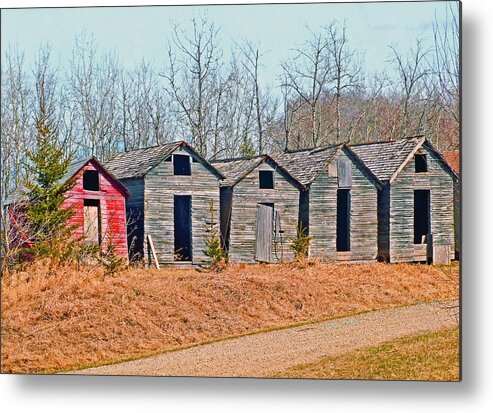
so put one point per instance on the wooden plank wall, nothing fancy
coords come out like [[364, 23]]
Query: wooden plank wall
[[246, 196], [440, 184], [160, 187], [135, 217], [112, 207], [323, 215]]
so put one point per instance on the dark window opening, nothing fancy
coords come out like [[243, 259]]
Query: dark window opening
[[421, 216], [343, 220], [266, 179], [183, 227], [168, 159], [90, 180], [181, 165], [420, 163]]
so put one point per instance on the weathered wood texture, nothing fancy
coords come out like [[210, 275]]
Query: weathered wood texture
[[323, 213], [135, 217], [401, 212], [457, 220], [264, 233], [112, 209], [160, 186], [243, 211]]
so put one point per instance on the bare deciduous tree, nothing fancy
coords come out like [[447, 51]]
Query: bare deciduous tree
[[308, 74]]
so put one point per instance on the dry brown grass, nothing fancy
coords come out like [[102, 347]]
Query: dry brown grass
[[57, 319], [430, 356]]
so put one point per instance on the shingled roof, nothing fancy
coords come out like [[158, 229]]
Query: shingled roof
[[20, 193], [385, 158], [306, 165], [236, 169], [138, 162]]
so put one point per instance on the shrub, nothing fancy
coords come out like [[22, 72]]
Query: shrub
[[213, 242], [301, 242]]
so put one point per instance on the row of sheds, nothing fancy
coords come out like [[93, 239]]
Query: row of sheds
[[390, 200]]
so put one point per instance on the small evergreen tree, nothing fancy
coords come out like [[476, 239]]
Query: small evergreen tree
[[47, 164]]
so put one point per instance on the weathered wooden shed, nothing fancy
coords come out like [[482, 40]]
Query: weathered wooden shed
[[338, 205], [259, 209], [172, 189], [98, 201], [416, 203]]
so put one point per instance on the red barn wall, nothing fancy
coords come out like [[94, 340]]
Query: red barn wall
[[112, 207]]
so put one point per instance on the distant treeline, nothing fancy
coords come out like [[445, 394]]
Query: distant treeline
[[220, 106]]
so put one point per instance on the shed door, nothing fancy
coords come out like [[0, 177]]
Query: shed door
[[92, 225], [183, 227], [263, 244]]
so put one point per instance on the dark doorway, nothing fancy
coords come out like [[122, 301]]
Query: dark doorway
[[92, 222], [183, 227], [343, 220], [421, 216]]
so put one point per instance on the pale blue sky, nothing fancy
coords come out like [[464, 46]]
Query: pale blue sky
[[137, 32]]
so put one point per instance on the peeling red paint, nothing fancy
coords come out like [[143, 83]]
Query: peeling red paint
[[112, 208]]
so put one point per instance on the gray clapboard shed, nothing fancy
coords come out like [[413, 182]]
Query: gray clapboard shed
[[172, 187], [416, 203], [259, 209], [338, 203]]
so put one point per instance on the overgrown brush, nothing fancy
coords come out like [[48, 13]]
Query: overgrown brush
[[213, 241], [300, 244]]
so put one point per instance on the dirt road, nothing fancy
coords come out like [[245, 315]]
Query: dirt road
[[263, 354]]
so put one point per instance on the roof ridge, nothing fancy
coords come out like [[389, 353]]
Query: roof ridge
[[386, 141], [241, 158], [149, 147]]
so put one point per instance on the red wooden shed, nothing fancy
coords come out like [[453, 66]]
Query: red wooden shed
[[99, 204], [98, 199]]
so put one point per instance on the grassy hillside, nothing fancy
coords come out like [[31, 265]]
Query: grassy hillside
[[61, 318], [429, 356]]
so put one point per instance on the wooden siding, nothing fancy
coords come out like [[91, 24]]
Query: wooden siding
[[440, 184], [160, 187], [135, 217], [246, 195], [323, 215], [112, 207]]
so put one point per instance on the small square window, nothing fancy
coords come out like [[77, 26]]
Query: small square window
[[420, 163], [181, 165], [90, 181], [266, 179]]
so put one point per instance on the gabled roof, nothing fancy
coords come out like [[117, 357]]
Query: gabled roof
[[234, 170], [387, 159], [305, 165], [137, 163], [72, 170]]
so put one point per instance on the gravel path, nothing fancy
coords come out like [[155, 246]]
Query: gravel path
[[264, 354]]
